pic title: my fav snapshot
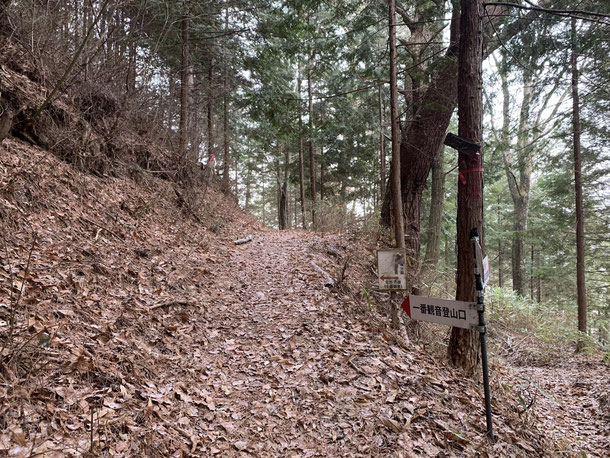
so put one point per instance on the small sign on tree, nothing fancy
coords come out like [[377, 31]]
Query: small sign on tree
[[391, 269]]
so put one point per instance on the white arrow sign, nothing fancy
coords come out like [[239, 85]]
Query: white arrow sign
[[391, 269], [459, 314]]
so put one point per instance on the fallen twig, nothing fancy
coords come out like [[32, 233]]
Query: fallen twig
[[242, 241], [329, 282], [101, 227], [168, 304]]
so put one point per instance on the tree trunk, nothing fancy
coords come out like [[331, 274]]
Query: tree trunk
[[463, 344], [211, 104], [580, 232], [399, 231], [426, 132], [382, 165], [226, 187], [532, 273], [312, 159], [435, 219], [422, 141], [500, 249], [539, 289], [263, 198], [132, 64], [185, 86], [282, 199], [301, 149], [285, 188], [321, 174], [248, 184], [397, 212]]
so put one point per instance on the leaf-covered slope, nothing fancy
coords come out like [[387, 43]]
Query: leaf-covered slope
[[119, 308]]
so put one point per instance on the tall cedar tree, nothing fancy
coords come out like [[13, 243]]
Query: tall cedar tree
[[580, 236], [463, 343]]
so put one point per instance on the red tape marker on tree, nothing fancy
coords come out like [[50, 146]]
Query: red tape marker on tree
[[462, 172]]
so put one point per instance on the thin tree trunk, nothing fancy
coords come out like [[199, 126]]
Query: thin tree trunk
[[518, 174], [463, 344], [321, 174], [532, 272], [248, 184], [500, 249], [539, 289], [312, 159], [286, 189], [435, 218], [399, 230], [132, 65], [580, 232], [225, 122], [263, 198], [211, 104], [301, 149], [170, 100], [382, 165], [185, 86]]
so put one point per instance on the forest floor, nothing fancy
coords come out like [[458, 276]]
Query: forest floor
[[129, 327]]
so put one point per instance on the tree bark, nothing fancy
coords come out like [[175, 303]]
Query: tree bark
[[312, 159], [422, 140], [399, 231], [580, 231], [248, 184], [500, 248], [435, 218], [301, 149], [321, 174], [425, 134], [211, 104], [397, 207], [226, 186], [382, 165], [519, 186], [463, 344], [282, 198], [532, 272], [185, 83]]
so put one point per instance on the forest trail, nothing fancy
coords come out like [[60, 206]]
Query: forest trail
[[176, 342], [288, 369]]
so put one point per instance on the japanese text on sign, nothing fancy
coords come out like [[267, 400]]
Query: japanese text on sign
[[451, 313], [391, 269]]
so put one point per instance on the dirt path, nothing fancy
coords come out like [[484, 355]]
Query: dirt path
[[284, 367], [301, 375], [573, 403]]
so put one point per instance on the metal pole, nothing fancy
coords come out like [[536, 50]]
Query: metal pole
[[476, 248]]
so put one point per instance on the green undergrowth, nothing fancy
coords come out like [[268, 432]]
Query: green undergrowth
[[539, 331]]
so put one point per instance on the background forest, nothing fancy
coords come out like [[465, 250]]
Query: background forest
[[287, 105], [192, 194]]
